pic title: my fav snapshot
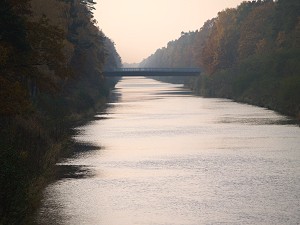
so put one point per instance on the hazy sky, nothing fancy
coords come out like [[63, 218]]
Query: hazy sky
[[139, 27]]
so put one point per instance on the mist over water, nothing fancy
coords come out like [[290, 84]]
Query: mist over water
[[160, 155]]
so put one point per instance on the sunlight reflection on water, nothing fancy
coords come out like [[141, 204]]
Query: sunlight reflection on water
[[168, 157]]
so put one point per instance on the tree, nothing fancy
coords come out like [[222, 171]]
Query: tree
[[219, 51], [256, 29]]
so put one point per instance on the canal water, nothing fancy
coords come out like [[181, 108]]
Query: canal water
[[161, 156]]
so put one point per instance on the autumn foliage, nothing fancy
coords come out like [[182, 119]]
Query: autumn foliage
[[248, 54], [52, 55]]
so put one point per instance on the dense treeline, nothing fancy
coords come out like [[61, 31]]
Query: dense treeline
[[184, 52], [52, 55], [250, 54]]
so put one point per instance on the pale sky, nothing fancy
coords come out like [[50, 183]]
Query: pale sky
[[139, 27]]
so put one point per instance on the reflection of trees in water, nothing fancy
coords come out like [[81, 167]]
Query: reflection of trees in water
[[64, 170]]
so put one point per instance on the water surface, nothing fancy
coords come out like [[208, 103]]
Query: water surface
[[166, 157]]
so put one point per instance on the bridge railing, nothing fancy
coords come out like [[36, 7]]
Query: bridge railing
[[195, 70], [120, 72]]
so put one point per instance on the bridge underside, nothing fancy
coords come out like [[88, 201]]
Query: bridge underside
[[148, 74]]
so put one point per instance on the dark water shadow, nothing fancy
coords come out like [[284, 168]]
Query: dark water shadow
[[65, 170], [79, 147], [175, 93], [102, 116], [73, 172], [259, 121]]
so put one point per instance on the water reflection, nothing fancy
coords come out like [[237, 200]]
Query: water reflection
[[67, 170], [168, 157], [73, 172]]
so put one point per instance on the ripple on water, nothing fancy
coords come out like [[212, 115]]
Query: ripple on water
[[168, 157]]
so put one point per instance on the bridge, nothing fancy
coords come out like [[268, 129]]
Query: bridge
[[152, 72]]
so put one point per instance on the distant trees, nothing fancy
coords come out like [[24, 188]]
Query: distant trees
[[183, 52], [178, 53], [248, 53]]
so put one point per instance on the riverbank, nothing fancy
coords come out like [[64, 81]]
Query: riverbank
[[51, 79], [249, 54], [257, 81], [30, 148]]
